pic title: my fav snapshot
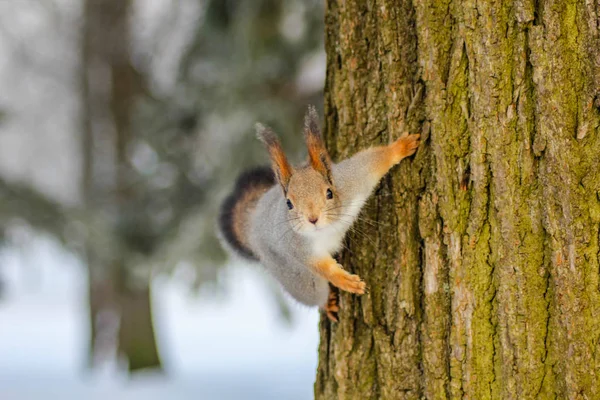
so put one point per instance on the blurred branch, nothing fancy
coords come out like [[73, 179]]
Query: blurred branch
[[33, 207], [67, 224], [71, 225]]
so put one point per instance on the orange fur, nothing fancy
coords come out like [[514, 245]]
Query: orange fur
[[282, 168], [318, 157], [329, 269], [332, 307], [388, 156]]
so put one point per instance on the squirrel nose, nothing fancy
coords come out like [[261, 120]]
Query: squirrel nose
[[313, 220]]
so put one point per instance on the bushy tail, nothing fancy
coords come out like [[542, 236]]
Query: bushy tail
[[236, 210]]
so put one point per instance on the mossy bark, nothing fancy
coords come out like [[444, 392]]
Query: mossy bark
[[482, 251]]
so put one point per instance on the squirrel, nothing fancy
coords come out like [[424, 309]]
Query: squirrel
[[293, 220]]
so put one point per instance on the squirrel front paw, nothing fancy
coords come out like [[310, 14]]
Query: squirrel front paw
[[348, 282], [329, 269], [407, 145]]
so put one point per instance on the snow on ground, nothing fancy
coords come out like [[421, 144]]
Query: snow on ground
[[232, 348]]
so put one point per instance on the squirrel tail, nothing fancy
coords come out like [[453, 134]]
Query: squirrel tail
[[236, 210]]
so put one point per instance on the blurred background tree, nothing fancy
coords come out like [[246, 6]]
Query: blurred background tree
[[163, 98]]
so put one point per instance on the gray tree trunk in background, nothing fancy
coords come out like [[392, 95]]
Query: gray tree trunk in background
[[482, 257], [110, 87]]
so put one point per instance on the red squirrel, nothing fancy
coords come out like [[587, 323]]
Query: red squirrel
[[293, 220]]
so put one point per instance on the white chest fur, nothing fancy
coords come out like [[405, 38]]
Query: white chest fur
[[330, 239]]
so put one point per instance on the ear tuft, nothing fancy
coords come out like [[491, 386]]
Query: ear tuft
[[318, 156], [282, 168], [266, 135], [311, 122]]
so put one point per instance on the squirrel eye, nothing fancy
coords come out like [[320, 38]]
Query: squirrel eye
[[289, 204], [329, 194]]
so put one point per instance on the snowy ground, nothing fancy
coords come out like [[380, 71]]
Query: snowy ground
[[233, 348]]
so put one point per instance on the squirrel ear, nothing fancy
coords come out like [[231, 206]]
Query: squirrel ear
[[282, 168], [318, 156]]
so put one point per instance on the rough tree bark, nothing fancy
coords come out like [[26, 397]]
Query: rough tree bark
[[481, 252]]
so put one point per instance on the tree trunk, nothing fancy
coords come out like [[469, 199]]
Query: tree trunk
[[482, 257], [106, 62], [137, 341]]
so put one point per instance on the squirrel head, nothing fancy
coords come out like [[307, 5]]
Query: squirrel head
[[309, 191]]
